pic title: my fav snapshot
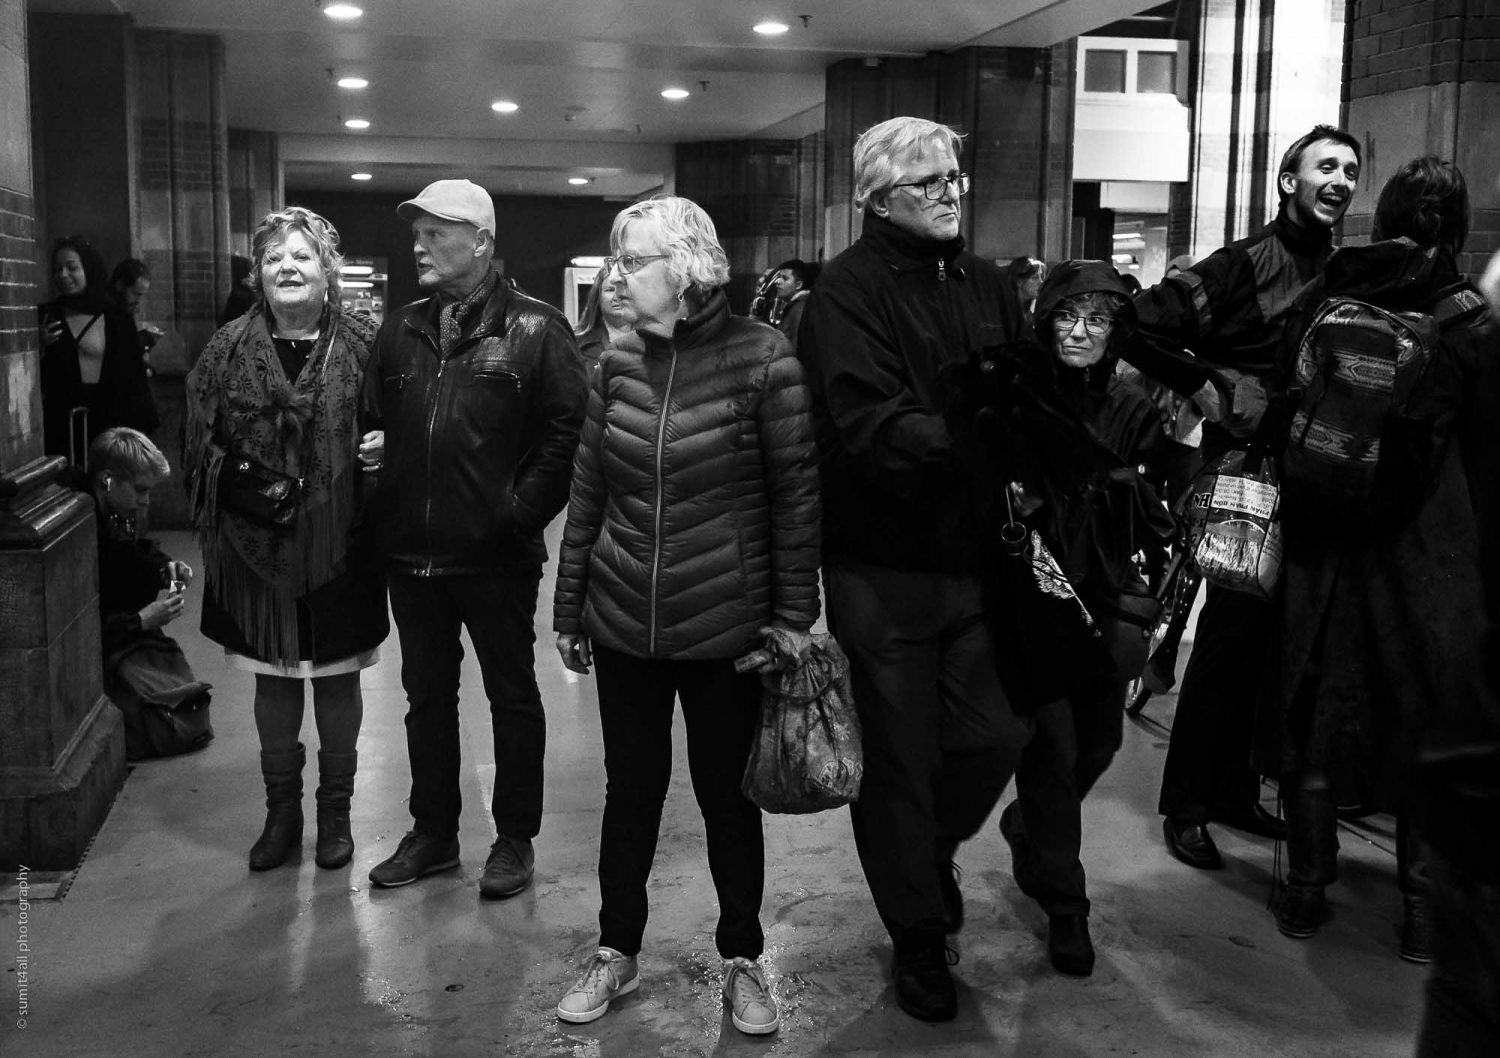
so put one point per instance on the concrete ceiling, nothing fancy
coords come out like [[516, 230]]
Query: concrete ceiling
[[587, 76]]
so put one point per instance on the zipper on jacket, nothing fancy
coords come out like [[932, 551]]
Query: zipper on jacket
[[431, 427], [661, 442], [942, 270]]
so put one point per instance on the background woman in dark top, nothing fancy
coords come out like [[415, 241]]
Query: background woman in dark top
[[91, 355], [279, 386]]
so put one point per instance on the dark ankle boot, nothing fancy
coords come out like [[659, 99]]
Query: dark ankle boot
[[1411, 872], [924, 986], [1312, 848], [283, 830], [335, 787]]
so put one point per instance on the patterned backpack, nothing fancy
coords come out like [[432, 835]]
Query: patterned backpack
[[1356, 369]]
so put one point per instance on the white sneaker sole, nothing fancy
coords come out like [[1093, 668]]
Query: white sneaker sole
[[754, 1030], [586, 1016]]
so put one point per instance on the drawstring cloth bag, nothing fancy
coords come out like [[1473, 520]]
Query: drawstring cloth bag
[[807, 756]]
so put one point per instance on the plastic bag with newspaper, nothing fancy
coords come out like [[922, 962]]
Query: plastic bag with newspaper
[[1233, 523]]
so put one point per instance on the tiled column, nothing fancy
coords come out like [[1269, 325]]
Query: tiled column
[[62, 746], [255, 185], [1015, 106], [1262, 74], [1424, 78], [763, 196]]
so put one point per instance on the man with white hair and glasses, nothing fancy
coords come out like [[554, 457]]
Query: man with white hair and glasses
[[903, 547]]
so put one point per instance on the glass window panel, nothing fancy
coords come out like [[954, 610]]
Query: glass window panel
[[1103, 71], [1156, 71]]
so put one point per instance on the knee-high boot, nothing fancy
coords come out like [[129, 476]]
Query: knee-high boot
[[335, 787], [1411, 872], [283, 830], [1312, 855]]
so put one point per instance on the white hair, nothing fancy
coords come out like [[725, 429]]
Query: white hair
[[878, 148], [686, 235]]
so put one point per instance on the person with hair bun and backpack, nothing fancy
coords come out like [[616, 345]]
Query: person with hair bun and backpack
[[1378, 638]]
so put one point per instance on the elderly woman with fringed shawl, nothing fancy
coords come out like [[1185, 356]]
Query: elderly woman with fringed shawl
[[276, 391]]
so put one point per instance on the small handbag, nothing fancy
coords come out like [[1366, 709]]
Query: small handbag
[[255, 492]]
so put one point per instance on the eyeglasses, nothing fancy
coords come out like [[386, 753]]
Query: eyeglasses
[[1065, 321], [935, 187], [629, 262]]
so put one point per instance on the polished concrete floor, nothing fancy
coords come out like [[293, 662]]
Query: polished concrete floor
[[162, 943]]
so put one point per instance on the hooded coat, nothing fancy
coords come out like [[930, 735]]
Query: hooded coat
[[1099, 527]]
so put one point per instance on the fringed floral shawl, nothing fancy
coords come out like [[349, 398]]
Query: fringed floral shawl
[[240, 401]]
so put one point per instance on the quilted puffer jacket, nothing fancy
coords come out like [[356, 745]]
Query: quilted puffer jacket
[[693, 518]]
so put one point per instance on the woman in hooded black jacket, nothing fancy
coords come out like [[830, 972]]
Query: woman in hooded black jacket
[[1084, 317]]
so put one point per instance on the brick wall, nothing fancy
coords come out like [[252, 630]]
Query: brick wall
[[1397, 44], [20, 434]]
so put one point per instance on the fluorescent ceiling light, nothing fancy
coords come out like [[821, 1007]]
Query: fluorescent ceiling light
[[771, 29], [675, 93], [358, 284], [360, 176], [356, 123], [578, 181], [353, 82], [343, 12], [504, 106], [357, 270]]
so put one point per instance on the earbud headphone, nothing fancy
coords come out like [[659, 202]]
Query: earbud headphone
[[108, 481]]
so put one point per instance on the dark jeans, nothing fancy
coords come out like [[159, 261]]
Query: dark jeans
[[499, 612], [1463, 990], [722, 711], [940, 737], [1075, 742], [1208, 758]]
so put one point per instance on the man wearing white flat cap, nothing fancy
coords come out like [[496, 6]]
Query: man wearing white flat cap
[[472, 403]]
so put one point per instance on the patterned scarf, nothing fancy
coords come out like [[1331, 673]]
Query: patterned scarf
[[239, 401], [455, 314]]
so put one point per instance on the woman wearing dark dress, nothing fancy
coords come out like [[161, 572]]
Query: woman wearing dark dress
[[91, 355], [279, 386]]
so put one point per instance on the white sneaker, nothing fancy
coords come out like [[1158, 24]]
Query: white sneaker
[[606, 976], [751, 1007]]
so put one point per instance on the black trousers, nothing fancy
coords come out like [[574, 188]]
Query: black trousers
[[1075, 741], [1208, 758], [1462, 1019], [499, 612], [722, 711], [940, 738]]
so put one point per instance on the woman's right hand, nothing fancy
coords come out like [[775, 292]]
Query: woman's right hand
[[372, 450], [161, 612], [575, 652], [52, 332]]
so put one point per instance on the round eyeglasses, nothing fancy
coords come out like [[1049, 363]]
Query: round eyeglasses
[[935, 187], [1066, 321], [629, 262]]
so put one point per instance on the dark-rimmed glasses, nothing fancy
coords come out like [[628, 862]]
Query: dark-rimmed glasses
[[935, 187], [1065, 321], [629, 262]]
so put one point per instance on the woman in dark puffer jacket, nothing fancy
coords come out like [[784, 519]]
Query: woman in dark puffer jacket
[[693, 526]]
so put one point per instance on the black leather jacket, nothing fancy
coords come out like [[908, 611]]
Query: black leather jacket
[[478, 446]]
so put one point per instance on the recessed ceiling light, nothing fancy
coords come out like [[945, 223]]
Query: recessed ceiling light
[[578, 181], [504, 106], [361, 176], [675, 93], [353, 82], [343, 12], [356, 123], [771, 29]]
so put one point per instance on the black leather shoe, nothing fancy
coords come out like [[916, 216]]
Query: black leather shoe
[[1300, 910], [417, 855], [1254, 820], [924, 985], [1192, 844], [509, 868], [1069, 945]]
